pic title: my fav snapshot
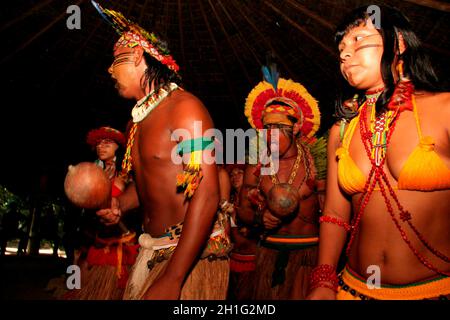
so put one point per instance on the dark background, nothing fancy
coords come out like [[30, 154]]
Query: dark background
[[55, 86]]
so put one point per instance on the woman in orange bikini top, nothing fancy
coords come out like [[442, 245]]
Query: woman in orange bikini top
[[424, 169], [388, 181]]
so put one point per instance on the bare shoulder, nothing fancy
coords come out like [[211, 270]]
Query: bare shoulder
[[443, 101], [185, 106], [436, 103], [434, 110]]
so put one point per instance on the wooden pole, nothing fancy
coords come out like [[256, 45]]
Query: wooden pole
[[230, 43], [266, 41], [219, 56], [301, 29], [433, 4], [33, 10], [311, 14], [36, 36], [242, 38]]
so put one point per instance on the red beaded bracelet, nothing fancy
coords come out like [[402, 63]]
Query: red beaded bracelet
[[323, 285], [324, 275], [337, 221]]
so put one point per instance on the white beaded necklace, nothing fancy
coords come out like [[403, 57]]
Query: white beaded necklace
[[146, 105]]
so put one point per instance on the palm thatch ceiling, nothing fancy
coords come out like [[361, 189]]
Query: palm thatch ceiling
[[55, 86]]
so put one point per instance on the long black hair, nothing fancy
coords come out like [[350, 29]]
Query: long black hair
[[159, 73], [417, 66]]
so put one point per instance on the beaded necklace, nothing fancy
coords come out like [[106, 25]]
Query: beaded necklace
[[378, 176], [379, 126], [126, 163], [146, 105], [140, 111]]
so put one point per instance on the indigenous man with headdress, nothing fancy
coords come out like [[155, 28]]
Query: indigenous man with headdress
[[183, 253], [104, 271], [285, 203]]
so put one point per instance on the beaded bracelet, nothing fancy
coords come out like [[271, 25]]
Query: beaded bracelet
[[324, 275], [337, 221], [323, 285]]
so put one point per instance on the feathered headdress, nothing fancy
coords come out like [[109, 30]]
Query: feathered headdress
[[132, 35], [276, 95]]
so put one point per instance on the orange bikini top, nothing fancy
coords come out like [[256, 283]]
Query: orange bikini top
[[424, 170]]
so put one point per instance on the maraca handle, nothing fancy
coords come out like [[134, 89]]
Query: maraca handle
[[123, 228], [120, 224]]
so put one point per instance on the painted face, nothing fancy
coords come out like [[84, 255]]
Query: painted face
[[106, 149], [237, 178], [360, 53], [285, 138], [124, 72]]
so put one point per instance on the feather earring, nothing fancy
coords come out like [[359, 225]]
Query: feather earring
[[402, 96]]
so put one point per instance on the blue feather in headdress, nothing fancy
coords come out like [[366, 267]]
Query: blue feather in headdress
[[108, 19], [271, 75], [100, 10]]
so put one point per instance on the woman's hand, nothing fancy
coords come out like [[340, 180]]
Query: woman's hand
[[110, 216]]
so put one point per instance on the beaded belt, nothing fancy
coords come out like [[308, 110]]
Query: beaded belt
[[354, 285], [217, 248], [353, 292], [159, 256]]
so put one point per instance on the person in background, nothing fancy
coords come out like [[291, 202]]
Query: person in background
[[285, 203], [104, 269], [244, 238]]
